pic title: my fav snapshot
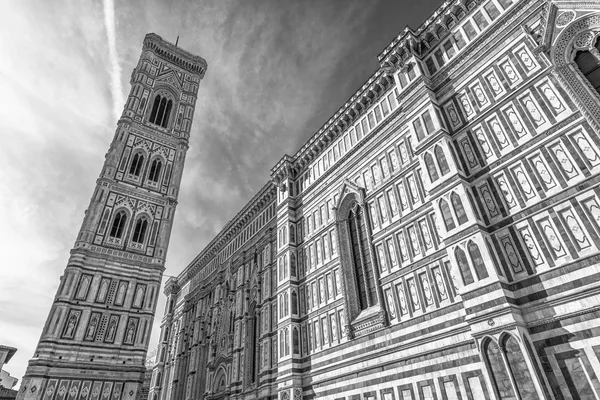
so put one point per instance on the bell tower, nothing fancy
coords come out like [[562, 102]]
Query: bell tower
[[94, 343]]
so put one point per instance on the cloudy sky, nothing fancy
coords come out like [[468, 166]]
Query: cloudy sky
[[277, 70]]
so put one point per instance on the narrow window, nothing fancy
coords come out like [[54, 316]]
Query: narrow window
[[118, 225], [155, 108], [457, 204], [294, 303], [296, 340], [419, 129], [155, 170], [165, 118], [498, 373], [441, 160], [431, 170], [429, 127], [139, 233], [463, 266], [161, 111], [136, 164], [447, 215], [477, 261]]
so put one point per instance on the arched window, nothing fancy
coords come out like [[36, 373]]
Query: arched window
[[441, 160], [118, 225], [499, 375], [447, 215], [155, 170], [281, 344], [431, 170], [285, 266], [281, 306], [294, 303], [293, 271], [287, 341], [457, 204], [361, 277], [589, 66], [463, 266], [139, 232], [159, 377], [136, 164], [477, 261], [296, 340], [155, 108], [518, 368], [161, 111]]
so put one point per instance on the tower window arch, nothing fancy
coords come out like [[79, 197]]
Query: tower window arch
[[441, 160], [447, 215], [136, 164], [463, 266], [477, 260], [161, 111], [457, 204], [588, 62], [139, 232], [118, 225], [431, 170], [155, 169]]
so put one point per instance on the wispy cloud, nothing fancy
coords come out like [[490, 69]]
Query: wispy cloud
[[115, 68]]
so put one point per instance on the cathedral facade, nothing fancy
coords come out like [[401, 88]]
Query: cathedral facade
[[438, 238], [94, 343]]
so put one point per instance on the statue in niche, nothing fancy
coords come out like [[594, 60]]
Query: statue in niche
[[92, 328], [83, 287], [111, 330], [130, 332], [71, 326]]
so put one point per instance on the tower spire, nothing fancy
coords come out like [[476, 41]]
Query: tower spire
[[94, 343]]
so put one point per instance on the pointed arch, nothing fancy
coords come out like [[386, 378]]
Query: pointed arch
[[294, 302], [155, 170], [118, 225], [463, 266], [139, 231], [135, 168], [441, 160], [431, 169], [477, 260], [459, 210], [499, 375], [447, 215], [296, 340], [155, 108], [518, 367]]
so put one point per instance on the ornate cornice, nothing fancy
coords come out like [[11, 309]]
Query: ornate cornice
[[175, 55]]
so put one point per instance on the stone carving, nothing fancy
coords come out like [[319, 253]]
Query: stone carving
[[565, 18]]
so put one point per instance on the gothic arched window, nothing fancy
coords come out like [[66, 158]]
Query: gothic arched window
[[161, 111], [441, 160], [447, 215], [118, 225], [518, 368], [155, 168], [477, 260], [463, 266], [431, 170], [457, 204], [139, 232], [589, 65], [296, 340], [136, 164], [499, 375], [294, 303]]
